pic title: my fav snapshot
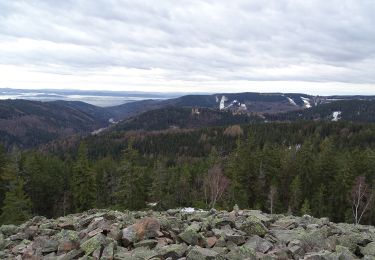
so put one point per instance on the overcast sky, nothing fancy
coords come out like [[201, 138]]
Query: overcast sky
[[315, 47]]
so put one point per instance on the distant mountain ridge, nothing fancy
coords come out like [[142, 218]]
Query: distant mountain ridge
[[26, 123], [262, 103]]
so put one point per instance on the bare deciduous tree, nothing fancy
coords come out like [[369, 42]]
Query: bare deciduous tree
[[233, 131], [361, 198], [271, 197], [215, 185]]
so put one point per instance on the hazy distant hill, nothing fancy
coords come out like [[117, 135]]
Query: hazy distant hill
[[134, 108], [29, 123]]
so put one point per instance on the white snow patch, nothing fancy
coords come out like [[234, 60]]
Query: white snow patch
[[188, 210], [112, 121], [291, 101], [98, 131], [191, 210], [336, 116], [222, 101], [306, 102]]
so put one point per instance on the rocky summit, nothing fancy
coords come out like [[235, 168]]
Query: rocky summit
[[185, 234]]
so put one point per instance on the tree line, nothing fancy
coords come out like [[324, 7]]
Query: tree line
[[317, 169]]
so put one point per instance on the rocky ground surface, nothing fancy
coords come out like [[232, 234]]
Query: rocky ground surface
[[185, 234]]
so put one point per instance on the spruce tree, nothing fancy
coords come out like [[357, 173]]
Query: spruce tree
[[319, 202], [159, 192], [306, 210], [326, 170], [17, 207], [83, 184], [45, 177], [295, 194], [305, 161], [106, 182], [132, 193], [3, 161]]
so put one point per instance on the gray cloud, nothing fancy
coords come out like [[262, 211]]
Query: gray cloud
[[194, 41]]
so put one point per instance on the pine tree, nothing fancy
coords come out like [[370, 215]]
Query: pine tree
[[83, 184]]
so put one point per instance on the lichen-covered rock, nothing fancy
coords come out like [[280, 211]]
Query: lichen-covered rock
[[45, 245], [108, 252], [67, 240], [74, 254], [191, 236], [143, 253], [199, 253], [314, 239], [149, 243], [185, 234], [241, 252], [352, 240], [369, 249], [120, 253], [174, 251], [266, 220], [211, 241], [286, 235], [145, 228], [8, 230], [90, 245], [259, 244], [288, 222], [253, 226]]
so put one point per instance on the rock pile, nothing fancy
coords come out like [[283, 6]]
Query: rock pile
[[190, 235]]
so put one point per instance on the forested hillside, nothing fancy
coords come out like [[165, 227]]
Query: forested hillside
[[306, 167], [179, 117], [28, 124], [347, 110]]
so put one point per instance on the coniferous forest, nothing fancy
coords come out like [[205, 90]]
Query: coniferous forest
[[297, 168]]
